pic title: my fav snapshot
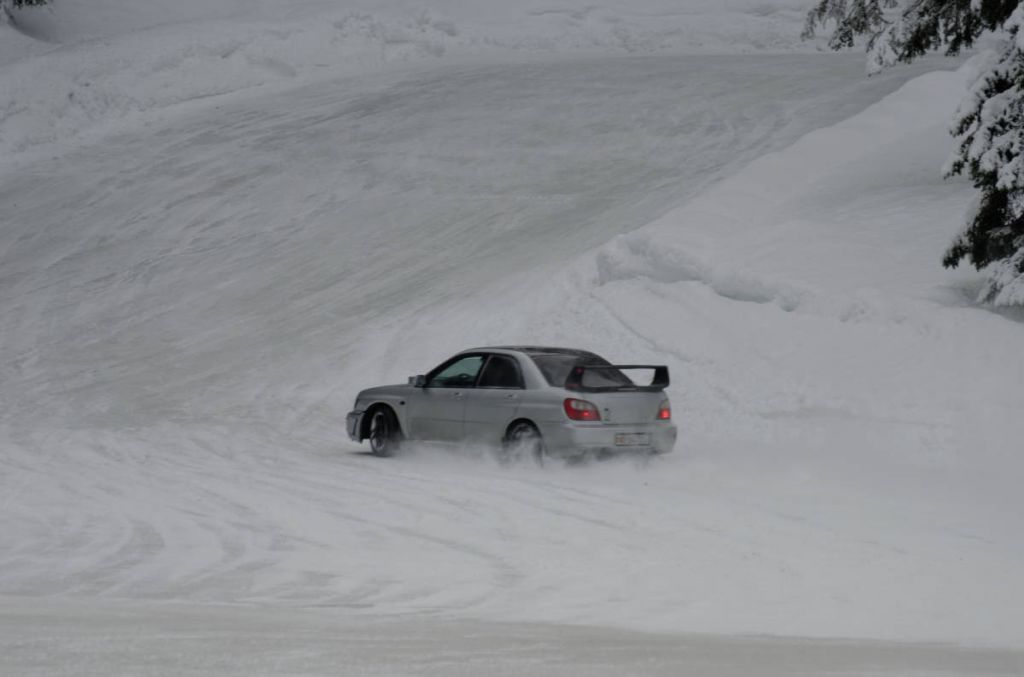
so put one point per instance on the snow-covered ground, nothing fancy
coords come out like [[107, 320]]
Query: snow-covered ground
[[846, 413], [192, 296], [46, 638]]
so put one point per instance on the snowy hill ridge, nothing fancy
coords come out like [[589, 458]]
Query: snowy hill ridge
[[117, 59]]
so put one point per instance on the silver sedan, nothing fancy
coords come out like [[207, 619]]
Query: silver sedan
[[522, 399]]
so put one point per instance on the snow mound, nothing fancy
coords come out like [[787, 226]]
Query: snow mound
[[839, 212]]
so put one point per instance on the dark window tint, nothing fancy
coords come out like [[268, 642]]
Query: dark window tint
[[500, 372], [556, 367], [459, 374]]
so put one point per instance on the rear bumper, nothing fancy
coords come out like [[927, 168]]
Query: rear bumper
[[579, 438], [353, 422]]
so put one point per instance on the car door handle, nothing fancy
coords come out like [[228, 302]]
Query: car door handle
[[457, 396], [511, 396]]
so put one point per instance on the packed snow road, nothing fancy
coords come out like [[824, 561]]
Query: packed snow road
[[182, 307], [42, 639]]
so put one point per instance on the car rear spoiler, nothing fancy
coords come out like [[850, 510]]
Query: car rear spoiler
[[574, 381]]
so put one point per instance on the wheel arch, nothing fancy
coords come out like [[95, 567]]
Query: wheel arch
[[364, 424], [521, 419]]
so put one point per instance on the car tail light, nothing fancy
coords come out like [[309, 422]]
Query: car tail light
[[581, 410], [665, 411]]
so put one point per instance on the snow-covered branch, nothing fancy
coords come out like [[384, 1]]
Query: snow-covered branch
[[989, 125]]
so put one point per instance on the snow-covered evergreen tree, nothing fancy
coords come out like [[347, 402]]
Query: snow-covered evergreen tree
[[989, 126], [6, 5]]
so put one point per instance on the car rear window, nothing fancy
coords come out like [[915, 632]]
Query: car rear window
[[556, 368]]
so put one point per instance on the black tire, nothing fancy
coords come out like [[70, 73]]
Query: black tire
[[522, 440], [384, 433]]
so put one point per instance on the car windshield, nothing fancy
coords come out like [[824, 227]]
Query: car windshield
[[556, 367]]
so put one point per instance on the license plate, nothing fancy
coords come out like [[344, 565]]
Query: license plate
[[632, 439]]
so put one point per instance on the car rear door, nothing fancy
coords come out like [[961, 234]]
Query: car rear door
[[492, 405]]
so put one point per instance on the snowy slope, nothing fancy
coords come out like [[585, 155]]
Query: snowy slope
[[109, 63], [190, 306]]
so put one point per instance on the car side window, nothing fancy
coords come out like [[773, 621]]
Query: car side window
[[459, 374], [501, 372]]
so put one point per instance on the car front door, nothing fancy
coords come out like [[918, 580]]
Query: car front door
[[437, 412], [492, 405]]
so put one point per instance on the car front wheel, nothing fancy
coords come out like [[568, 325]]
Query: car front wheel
[[384, 433]]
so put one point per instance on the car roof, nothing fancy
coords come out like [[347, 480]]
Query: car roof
[[535, 350]]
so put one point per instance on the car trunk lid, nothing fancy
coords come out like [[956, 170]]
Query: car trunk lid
[[625, 407]]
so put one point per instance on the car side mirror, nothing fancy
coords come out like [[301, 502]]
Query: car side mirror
[[418, 381]]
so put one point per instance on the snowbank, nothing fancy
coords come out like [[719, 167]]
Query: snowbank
[[851, 209], [114, 59]]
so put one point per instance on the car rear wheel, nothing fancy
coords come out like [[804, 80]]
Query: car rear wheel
[[522, 441], [385, 435]]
